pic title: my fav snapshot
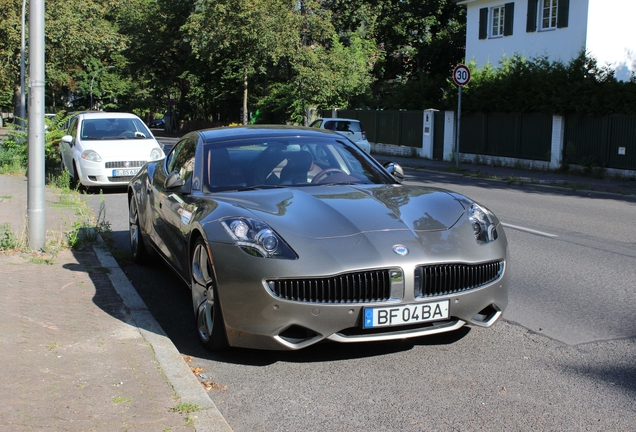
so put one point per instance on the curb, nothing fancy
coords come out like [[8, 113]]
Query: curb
[[179, 375], [530, 181]]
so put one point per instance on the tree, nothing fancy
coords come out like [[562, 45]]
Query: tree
[[241, 36]]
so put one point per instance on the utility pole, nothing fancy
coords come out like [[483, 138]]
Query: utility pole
[[36, 217], [90, 108], [22, 111]]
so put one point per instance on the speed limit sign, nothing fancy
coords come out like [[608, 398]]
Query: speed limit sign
[[461, 75]]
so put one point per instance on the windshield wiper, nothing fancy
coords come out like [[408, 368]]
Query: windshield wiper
[[260, 187]]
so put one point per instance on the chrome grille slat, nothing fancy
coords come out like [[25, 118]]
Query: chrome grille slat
[[119, 179], [362, 287], [444, 279], [125, 164]]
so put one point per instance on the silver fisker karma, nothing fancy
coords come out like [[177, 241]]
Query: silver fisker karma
[[289, 236]]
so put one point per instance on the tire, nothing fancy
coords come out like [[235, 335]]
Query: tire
[[208, 316], [137, 246], [75, 180]]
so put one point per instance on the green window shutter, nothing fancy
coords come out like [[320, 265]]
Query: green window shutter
[[531, 23], [483, 23], [563, 10], [509, 18]]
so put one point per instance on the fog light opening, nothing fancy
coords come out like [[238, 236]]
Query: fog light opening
[[297, 334], [487, 316]]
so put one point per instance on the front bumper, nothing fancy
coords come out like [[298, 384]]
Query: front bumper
[[256, 318]]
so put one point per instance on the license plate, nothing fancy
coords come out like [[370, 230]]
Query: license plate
[[403, 315], [124, 172]]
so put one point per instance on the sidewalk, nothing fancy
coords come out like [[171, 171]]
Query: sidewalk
[[75, 352], [567, 180]]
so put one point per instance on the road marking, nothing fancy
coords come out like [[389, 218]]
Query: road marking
[[528, 230]]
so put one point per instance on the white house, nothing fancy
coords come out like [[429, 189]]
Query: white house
[[558, 29]]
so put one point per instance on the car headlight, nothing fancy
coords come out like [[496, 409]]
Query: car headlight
[[156, 154], [91, 155], [257, 238], [483, 223]]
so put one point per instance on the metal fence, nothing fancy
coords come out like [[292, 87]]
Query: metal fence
[[525, 136], [608, 141]]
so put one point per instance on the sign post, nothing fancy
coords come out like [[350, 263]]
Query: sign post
[[461, 76]]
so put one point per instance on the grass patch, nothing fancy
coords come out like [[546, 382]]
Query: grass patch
[[84, 230], [186, 408], [119, 400], [53, 345]]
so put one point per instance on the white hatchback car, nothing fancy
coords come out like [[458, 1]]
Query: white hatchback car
[[349, 128], [107, 148]]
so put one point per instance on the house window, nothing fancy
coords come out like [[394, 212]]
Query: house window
[[497, 21], [548, 14]]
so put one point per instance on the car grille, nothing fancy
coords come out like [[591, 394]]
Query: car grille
[[125, 164], [445, 279], [361, 287], [120, 179]]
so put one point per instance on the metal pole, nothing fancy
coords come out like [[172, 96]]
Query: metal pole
[[90, 108], [22, 113], [459, 117], [36, 216]]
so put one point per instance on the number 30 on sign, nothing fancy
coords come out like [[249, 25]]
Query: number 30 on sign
[[461, 75]]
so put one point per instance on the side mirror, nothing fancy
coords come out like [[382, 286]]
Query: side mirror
[[395, 170], [67, 139], [173, 181]]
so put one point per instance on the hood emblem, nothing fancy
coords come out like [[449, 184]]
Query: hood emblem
[[400, 249]]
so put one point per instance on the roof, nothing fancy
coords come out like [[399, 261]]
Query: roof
[[106, 114], [238, 132]]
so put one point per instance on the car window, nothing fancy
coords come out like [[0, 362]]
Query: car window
[[348, 126], [113, 128], [331, 125], [300, 161], [181, 159], [72, 129]]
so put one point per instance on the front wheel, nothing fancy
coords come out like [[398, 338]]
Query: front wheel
[[205, 301], [137, 246]]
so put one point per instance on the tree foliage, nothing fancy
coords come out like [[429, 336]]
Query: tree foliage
[[207, 59], [539, 85]]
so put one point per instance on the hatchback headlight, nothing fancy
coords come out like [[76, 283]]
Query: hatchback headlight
[[91, 155], [483, 222], [156, 154], [257, 238]]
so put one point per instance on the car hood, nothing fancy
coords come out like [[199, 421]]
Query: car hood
[[124, 149], [336, 211]]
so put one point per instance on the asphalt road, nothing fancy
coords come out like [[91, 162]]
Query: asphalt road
[[561, 359]]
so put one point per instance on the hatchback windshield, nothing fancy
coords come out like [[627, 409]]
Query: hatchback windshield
[[114, 128]]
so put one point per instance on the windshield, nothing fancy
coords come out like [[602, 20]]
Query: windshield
[[114, 128], [294, 161]]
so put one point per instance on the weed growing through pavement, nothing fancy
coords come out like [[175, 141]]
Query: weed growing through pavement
[[83, 231], [8, 240], [53, 345], [119, 400], [186, 408]]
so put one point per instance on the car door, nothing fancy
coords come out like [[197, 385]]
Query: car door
[[174, 212], [66, 149]]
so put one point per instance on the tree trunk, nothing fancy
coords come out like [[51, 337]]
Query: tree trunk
[[245, 115]]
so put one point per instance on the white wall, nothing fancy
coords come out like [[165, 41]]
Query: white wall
[[612, 35], [559, 44]]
